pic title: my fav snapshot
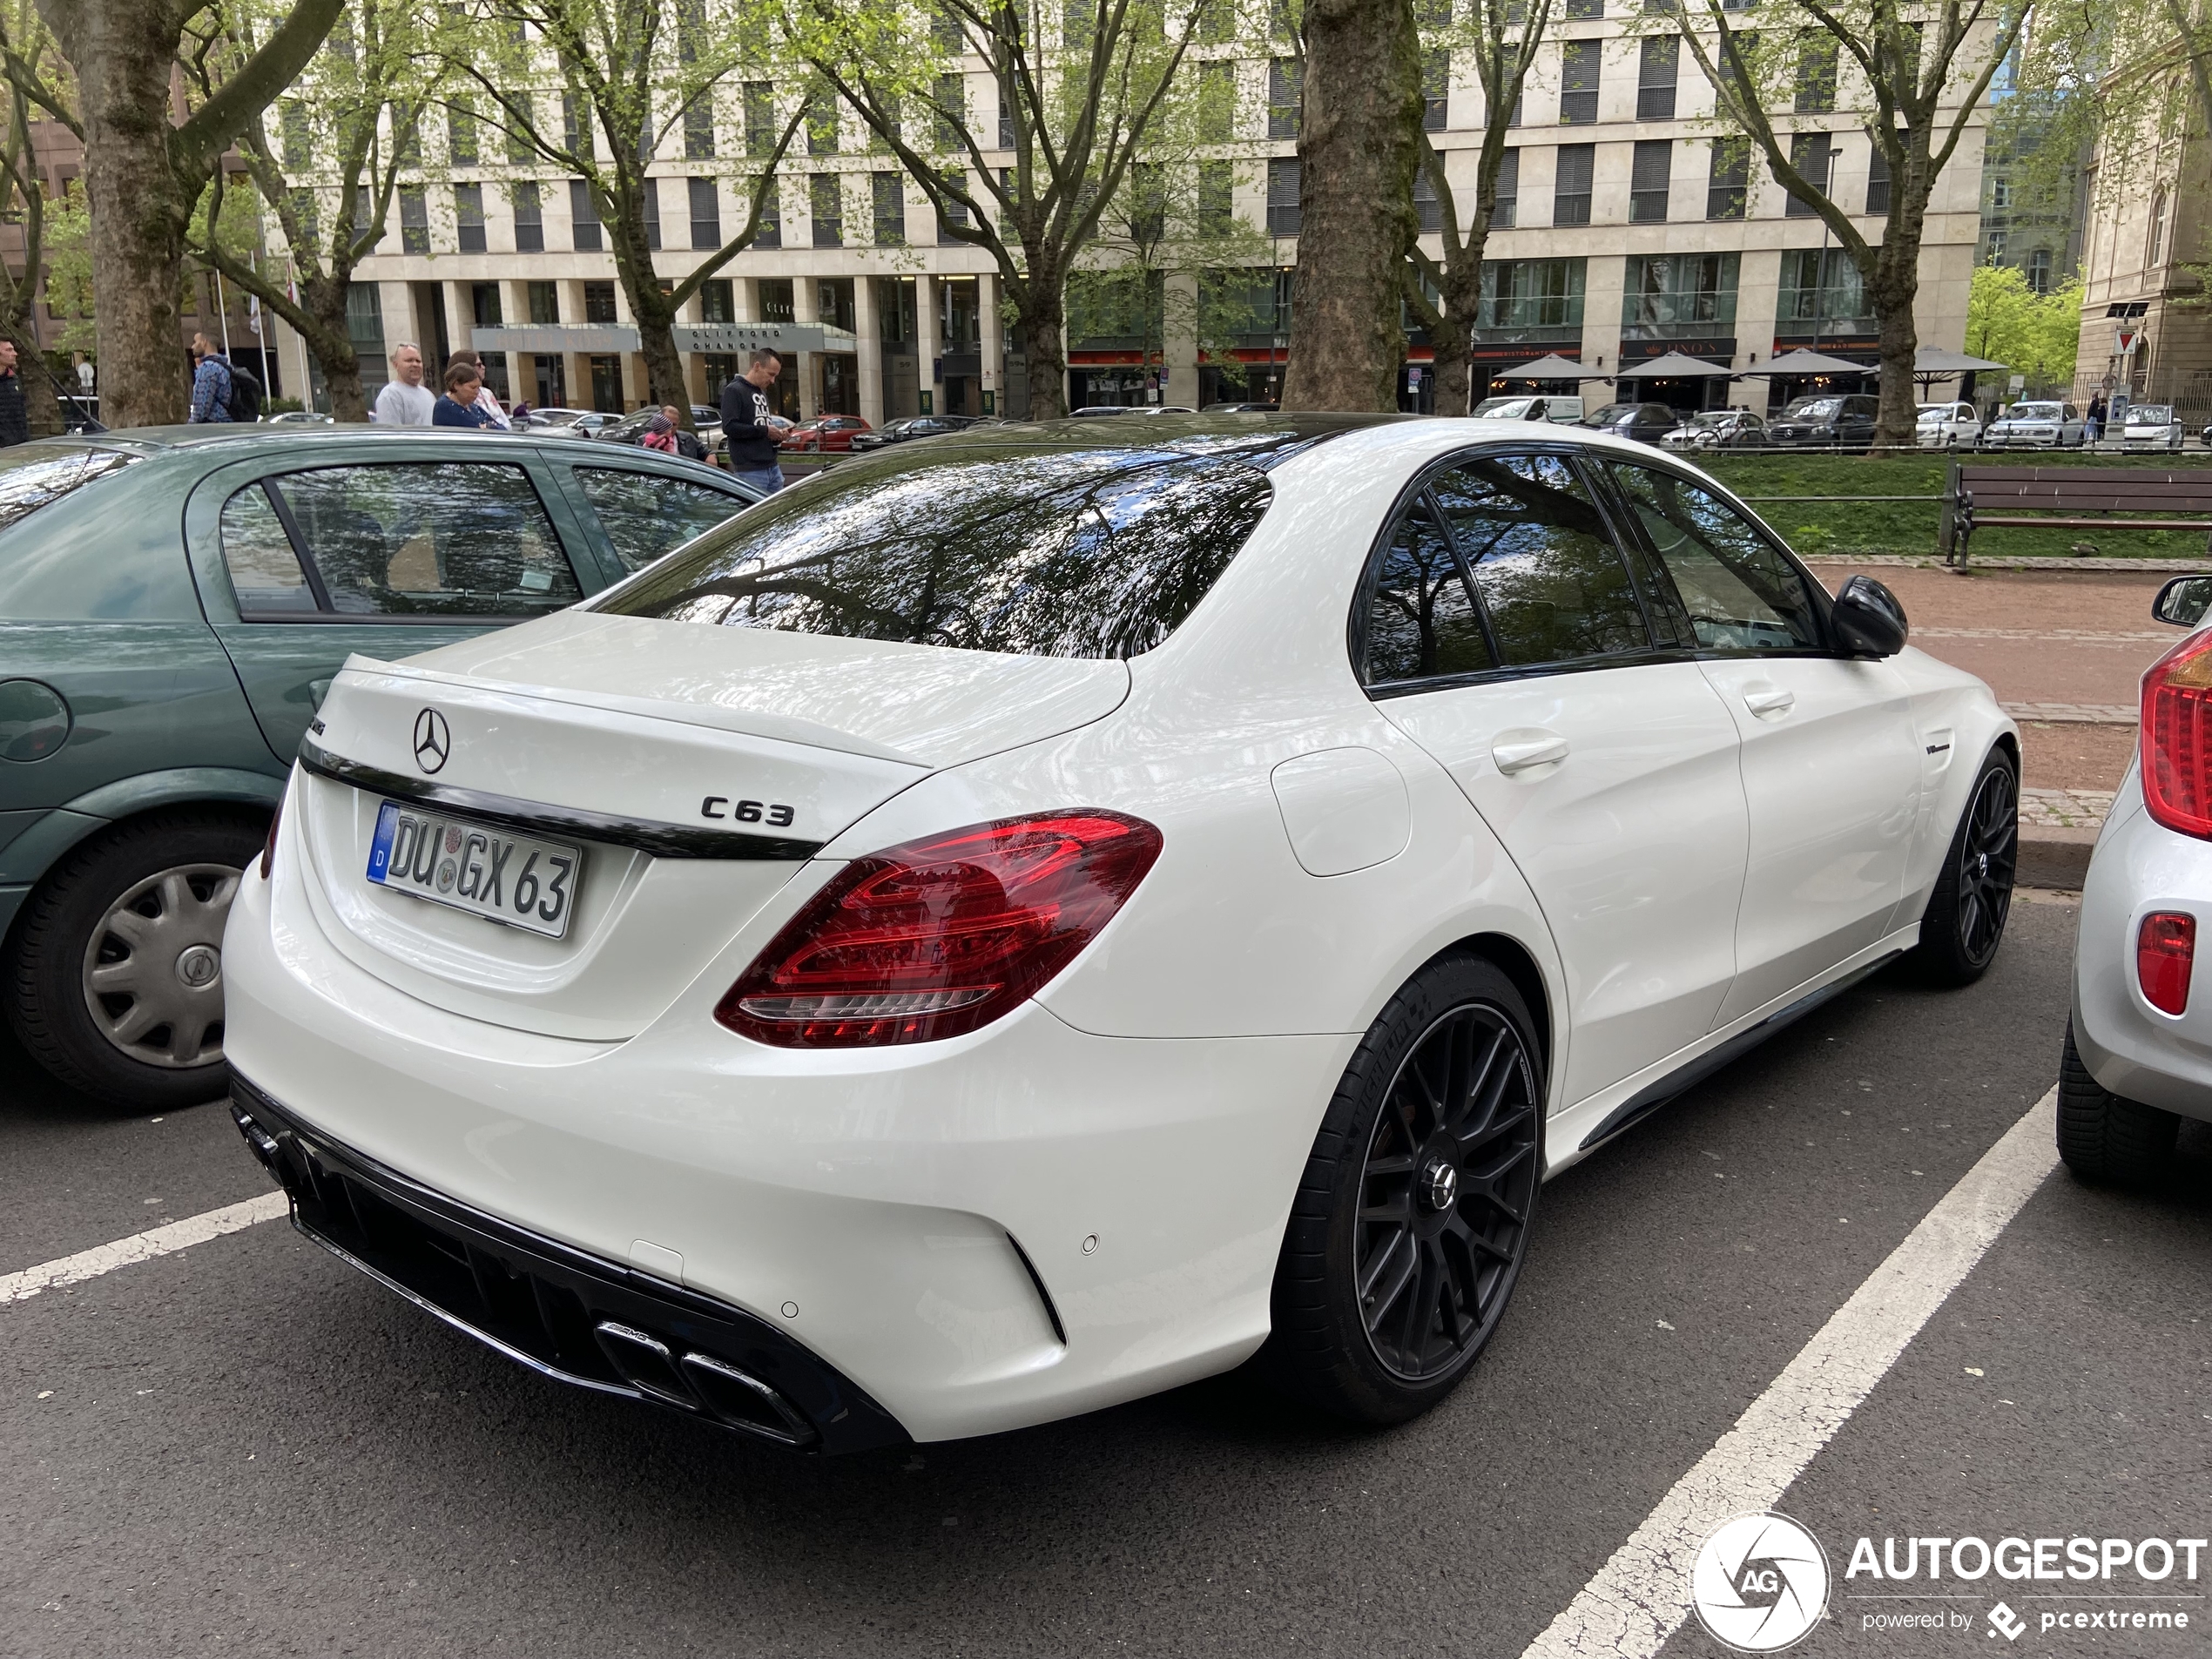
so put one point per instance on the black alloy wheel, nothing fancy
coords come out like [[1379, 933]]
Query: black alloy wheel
[[1413, 1217], [1965, 921], [1446, 1193]]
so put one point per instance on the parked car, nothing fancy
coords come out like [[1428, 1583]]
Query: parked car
[[173, 602], [1645, 422], [913, 426], [1833, 419], [826, 434], [2151, 426], [2135, 1064], [707, 427], [1241, 409], [1718, 429], [1947, 426], [1566, 410], [2035, 426], [554, 416], [1089, 410], [296, 417], [932, 881]]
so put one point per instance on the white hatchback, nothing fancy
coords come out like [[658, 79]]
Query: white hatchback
[[1016, 923]]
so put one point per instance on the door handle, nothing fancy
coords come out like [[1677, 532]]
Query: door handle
[[1520, 751], [1771, 701]]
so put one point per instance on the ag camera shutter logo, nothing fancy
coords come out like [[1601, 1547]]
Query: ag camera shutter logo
[[1760, 1583]]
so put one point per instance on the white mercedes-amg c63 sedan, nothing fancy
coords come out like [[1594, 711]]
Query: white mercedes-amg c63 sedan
[[1053, 912]]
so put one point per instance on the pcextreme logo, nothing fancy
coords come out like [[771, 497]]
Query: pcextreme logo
[[2112, 1584], [1760, 1583]]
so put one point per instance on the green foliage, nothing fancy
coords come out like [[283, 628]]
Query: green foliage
[[69, 269], [2036, 335]]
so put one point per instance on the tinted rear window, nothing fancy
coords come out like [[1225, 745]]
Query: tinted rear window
[[1074, 552], [38, 473]]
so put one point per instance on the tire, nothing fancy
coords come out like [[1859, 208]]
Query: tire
[[2105, 1139], [1965, 921], [131, 1012], [1449, 1078]]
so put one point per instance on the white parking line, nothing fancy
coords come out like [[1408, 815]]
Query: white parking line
[[1641, 1597], [142, 1247]]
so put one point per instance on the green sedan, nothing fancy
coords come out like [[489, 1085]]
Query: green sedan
[[173, 602]]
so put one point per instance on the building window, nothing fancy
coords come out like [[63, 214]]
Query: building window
[[650, 203], [1436, 90], [1531, 299], [1282, 196], [606, 383], [414, 220], [948, 106], [1005, 123], [1816, 77], [777, 304], [573, 131], [698, 128], [365, 327], [771, 233], [461, 135], [1425, 202], [718, 301], [1655, 76], [1507, 205], [890, 208], [520, 150], [827, 203], [529, 222], [1812, 155], [1579, 62], [2039, 270], [598, 302], [295, 129], [1285, 88], [1679, 296], [759, 118], [545, 303], [2001, 194], [952, 212], [1571, 186], [585, 218], [1728, 189], [1878, 181], [1995, 250], [469, 217], [1216, 197], [484, 309], [1821, 287], [1648, 173], [822, 126], [1580, 9], [2158, 209], [706, 212], [1216, 102]]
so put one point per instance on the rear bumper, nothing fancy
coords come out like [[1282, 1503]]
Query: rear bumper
[[2132, 1049], [563, 1314]]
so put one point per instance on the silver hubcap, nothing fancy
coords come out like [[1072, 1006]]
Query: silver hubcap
[[153, 967]]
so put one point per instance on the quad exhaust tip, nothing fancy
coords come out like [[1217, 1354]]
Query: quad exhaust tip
[[702, 1383]]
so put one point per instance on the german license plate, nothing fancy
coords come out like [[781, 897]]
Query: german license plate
[[517, 879]]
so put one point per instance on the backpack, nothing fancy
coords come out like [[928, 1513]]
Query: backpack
[[245, 394]]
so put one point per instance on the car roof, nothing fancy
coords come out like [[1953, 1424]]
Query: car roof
[[220, 441], [1256, 439]]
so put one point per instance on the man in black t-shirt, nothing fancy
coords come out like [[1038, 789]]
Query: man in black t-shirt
[[749, 442]]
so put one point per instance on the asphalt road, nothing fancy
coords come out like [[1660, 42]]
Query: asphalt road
[[245, 1448]]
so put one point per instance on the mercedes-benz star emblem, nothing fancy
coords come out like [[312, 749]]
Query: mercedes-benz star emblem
[[432, 741]]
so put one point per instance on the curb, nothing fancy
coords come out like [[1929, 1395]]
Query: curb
[[2054, 858], [2161, 565]]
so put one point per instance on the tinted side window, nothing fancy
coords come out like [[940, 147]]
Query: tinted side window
[[647, 516], [264, 569], [1042, 552], [430, 539], [1421, 621], [1544, 562], [1741, 594]]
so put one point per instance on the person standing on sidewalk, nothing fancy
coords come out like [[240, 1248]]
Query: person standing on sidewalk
[[405, 400], [2096, 420], [749, 442], [15, 423], [211, 383]]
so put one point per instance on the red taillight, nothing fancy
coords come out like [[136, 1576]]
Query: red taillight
[[941, 936], [2165, 950], [268, 848], [2177, 737]]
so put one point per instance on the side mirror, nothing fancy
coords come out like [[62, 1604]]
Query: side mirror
[[1869, 620], [2183, 600]]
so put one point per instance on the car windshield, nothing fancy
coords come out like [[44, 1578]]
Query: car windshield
[[1812, 408], [1504, 408], [2151, 414], [1711, 418], [1935, 411], [1096, 552], [1610, 414], [37, 474], [2035, 412]]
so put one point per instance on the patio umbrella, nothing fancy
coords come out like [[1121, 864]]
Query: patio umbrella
[[1673, 366], [1806, 363], [1932, 363], [1553, 367]]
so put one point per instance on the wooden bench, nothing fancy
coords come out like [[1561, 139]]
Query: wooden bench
[[2113, 498]]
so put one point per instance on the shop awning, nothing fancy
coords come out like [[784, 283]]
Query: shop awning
[[1672, 367]]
